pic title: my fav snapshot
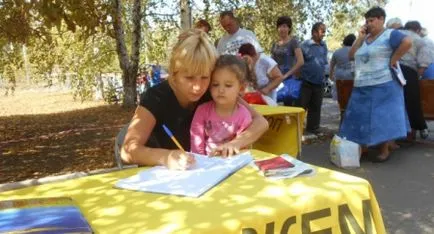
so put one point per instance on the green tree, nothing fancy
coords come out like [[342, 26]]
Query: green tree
[[129, 61], [36, 17], [340, 16], [93, 20], [347, 18], [10, 63]]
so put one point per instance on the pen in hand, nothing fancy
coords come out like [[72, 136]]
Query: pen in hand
[[170, 134], [185, 160]]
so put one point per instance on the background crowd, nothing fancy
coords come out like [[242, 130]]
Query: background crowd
[[205, 83], [375, 108]]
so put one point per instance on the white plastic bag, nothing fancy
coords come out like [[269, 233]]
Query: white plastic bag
[[269, 100], [344, 153]]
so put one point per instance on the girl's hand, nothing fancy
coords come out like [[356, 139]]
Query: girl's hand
[[179, 160], [226, 150]]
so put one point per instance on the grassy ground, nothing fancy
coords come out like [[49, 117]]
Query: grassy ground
[[44, 132]]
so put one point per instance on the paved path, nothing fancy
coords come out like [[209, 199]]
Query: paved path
[[404, 185]]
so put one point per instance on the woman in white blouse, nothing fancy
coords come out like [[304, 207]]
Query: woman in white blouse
[[266, 70]]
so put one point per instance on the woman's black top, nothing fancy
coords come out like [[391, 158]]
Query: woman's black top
[[161, 101]]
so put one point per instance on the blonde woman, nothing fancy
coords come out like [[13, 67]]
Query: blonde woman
[[173, 103]]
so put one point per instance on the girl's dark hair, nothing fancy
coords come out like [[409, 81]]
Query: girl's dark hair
[[376, 12], [237, 65], [349, 40], [284, 20]]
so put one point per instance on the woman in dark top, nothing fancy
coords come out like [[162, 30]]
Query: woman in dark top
[[173, 103], [287, 52]]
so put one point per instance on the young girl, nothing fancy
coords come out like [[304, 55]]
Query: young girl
[[173, 102], [222, 119]]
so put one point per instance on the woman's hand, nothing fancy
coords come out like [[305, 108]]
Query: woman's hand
[[226, 150], [179, 160], [359, 41], [265, 91], [363, 30]]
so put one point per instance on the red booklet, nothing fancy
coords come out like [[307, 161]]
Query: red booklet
[[273, 164]]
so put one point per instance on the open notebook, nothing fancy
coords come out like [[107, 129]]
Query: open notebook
[[207, 173]]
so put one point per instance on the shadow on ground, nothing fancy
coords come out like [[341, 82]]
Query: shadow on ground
[[35, 146]]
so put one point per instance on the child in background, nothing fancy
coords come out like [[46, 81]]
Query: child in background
[[222, 119]]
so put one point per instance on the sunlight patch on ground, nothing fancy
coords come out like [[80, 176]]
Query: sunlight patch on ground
[[42, 102]]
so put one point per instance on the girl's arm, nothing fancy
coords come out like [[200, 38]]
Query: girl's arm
[[134, 149], [275, 77], [297, 65], [197, 132], [258, 127]]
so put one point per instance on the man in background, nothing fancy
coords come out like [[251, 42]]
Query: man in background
[[313, 76], [235, 36]]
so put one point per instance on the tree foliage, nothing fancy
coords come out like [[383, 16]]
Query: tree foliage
[[341, 16], [37, 17], [80, 39]]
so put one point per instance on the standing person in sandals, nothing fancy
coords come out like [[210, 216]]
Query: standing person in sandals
[[413, 65], [287, 52], [313, 76], [173, 103], [235, 36], [375, 114]]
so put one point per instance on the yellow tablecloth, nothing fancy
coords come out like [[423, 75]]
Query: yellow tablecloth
[[246, 202], [285, 132]]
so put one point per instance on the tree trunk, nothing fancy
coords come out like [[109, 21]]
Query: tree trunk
[[128, 64], [185, 14]]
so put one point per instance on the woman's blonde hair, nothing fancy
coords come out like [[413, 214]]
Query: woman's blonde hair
[[193, 53]]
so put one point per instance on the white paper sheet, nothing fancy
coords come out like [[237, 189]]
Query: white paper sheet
[[207, 173], [399, 74]]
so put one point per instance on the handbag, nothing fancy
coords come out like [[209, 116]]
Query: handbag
[[291, 89]]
